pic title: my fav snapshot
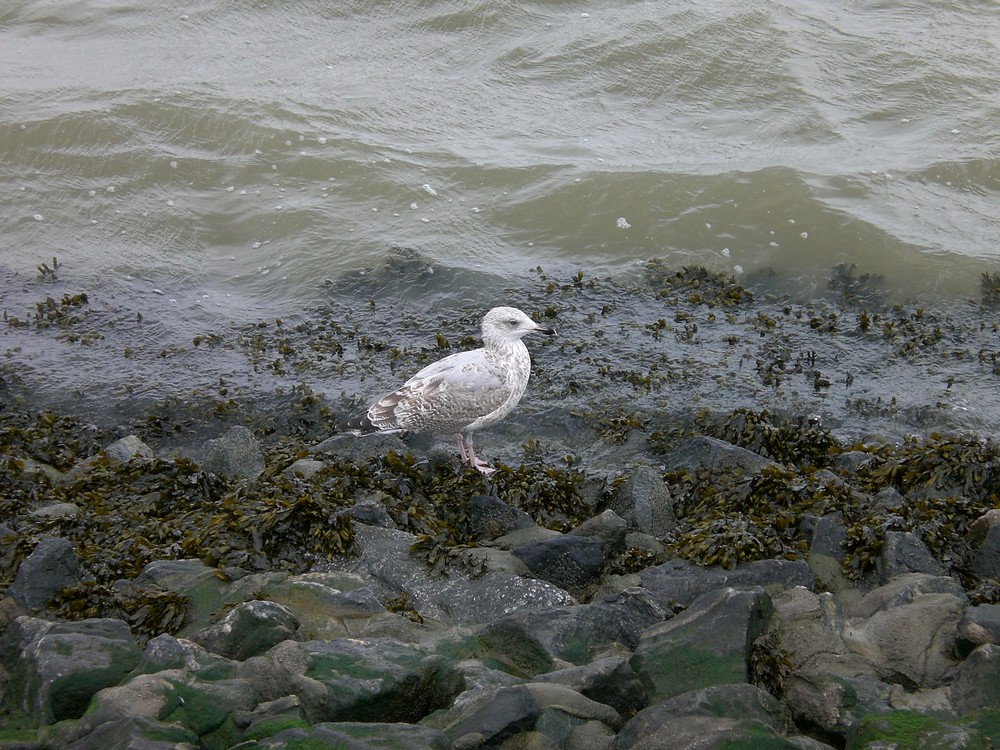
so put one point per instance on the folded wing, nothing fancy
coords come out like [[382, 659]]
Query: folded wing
[[443, 397]]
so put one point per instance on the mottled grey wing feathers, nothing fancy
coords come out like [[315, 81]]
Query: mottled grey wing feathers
[[445, 396]]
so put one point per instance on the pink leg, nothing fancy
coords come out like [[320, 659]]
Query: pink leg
[[468, 454], [460, 439]]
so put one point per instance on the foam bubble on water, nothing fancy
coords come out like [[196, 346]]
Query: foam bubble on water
[[804, 235], [623, 223], [173, 164], [413, 206], [428, 189], [38, 217], [230, 189]]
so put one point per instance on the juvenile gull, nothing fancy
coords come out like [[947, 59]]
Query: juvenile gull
[[463, 392]]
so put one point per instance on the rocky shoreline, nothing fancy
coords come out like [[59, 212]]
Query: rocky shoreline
[[523, 636], [720, 519]]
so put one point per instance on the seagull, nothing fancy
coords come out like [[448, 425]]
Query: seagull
[[463, 392]]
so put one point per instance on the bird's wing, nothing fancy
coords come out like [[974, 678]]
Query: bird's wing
[[445, 395]]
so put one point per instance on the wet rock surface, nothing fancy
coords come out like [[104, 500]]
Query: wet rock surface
[[632, 576]]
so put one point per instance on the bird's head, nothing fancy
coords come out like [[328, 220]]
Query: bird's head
[[506, 324]]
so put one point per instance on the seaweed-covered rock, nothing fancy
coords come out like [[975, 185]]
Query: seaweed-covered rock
[[354, 736], [708, 733], [361, 449], [573, 563], [384, 560], [904, 552], [305, 468], [490, 517], [145, 696], [643, 499], [51, 566], [681, 582], [986, 560], [704, 452], [235, 454], [326, 605], [832, 706], [518, 709], [610, 680], [609, 527], [910, 729], [351, 679], [827, 535], [707, 644], [165, 652], [975, 683], [735, 701], [60, 666], [208, 708], [202, 586], [128, 448], [55, 512], [369, 509], [271, 717], [534, 641], [135, 733], [249, 629]]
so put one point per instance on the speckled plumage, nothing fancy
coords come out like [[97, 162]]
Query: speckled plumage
[[463, 392]]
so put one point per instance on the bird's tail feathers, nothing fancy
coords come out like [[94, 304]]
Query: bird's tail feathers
[[362, 425]]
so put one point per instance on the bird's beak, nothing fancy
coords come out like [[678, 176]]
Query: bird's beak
[[547, 330]]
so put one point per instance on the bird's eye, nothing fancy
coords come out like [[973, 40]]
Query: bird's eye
[[513, 323]]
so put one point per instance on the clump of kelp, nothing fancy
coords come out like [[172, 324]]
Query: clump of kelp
[[944, 483], [130, 514]]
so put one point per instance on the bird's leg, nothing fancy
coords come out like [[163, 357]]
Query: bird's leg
[[460, 439], [468, 454]]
